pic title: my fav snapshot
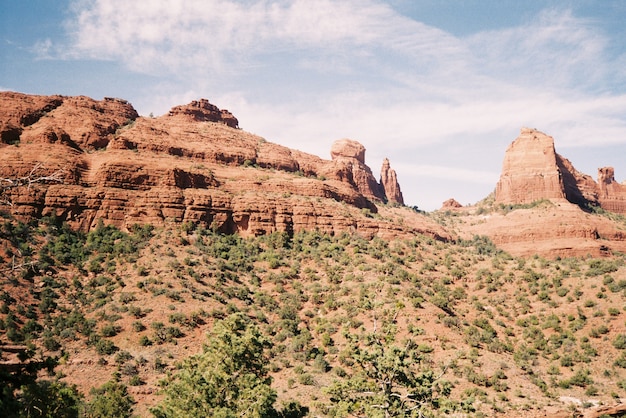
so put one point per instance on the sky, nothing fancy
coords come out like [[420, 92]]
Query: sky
[[440, 87]]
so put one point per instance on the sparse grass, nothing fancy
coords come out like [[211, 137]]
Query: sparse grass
[[468, 306]]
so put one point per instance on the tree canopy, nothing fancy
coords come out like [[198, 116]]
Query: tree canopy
[[228, 379], [389, 380]]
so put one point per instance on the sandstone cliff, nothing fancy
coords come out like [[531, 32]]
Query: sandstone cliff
[[532, 171], [191, 164]]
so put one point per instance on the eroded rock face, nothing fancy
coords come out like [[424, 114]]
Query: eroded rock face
[[389, 184], [181, 167], [352, 154], [611, 194], [203, 111], [532, 170], [80, 121]]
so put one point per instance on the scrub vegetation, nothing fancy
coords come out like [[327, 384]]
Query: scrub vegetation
[[184, 321]]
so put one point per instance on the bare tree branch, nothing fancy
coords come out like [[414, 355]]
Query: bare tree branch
[[33, 177]]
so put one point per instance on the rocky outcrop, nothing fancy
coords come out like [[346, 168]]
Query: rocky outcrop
[[532, 171], [611, 194], [78, 121], [389, 184], [579, 188], [551, 229], [179, 167], [604, 411], [352, 154], [203, 111], [451, 204]]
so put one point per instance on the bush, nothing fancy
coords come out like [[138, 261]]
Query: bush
[[144, 341], [110, 400], [239, 385], [110, 330], [105, 347], [620, 342]]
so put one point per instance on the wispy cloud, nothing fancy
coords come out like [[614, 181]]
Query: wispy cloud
[[221, 35], [43, 49], [553, 49], [307, 72]]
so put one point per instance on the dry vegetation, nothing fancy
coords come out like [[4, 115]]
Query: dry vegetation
[[505, 334]]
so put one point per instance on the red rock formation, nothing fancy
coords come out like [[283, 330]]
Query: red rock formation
[[203, 111], [552, 229], [532, 170], [181, 167], [611, 194], [389, 184], [77, 121], [352, 154], [579, 188], [451, 204]]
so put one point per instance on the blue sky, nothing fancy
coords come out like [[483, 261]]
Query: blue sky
[[440, 87]]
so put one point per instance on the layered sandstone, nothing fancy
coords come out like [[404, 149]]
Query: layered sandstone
[[389, 184], [552, 229], [611, 194], [560, 222], [203, 111], [192, 164], [532, 171], [352, 154]]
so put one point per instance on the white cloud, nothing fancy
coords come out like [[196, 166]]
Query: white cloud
[[304, 73], [43, 49], [554, 49]]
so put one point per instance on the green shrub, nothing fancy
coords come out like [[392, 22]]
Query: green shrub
[[110, 330], [144, 341], [105, 347], [620, 342], [110, 400]]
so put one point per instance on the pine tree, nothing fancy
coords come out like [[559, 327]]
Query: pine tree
[[229, 379]]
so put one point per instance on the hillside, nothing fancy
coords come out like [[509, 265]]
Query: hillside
[[515, 335], [126, 241]]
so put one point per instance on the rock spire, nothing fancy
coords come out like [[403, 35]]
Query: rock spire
[[389, 183]]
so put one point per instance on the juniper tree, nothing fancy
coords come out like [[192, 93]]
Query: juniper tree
[[388, 380], [228, 379]]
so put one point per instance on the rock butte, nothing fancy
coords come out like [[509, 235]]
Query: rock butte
[[561, 226], [532, 170], [190, 165]]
